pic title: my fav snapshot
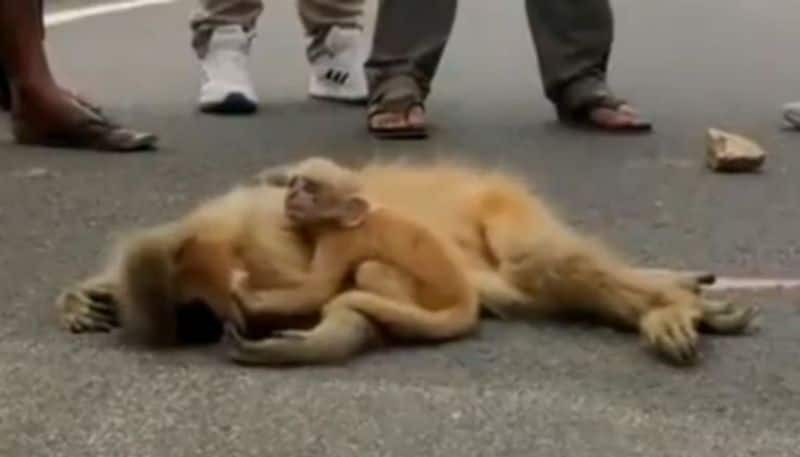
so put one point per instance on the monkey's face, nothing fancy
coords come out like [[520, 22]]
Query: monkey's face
[[306, 201], [314, 202]]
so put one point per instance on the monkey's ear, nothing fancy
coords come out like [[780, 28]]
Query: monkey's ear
[[353, 211], [275, 176]]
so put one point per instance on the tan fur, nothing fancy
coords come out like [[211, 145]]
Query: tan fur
[[522, 258], [411, 285]]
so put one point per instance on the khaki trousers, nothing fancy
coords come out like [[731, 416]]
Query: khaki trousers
[[317, 17]]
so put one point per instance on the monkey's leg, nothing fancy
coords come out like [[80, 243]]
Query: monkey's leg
[[294, 301], [340, 335], [563, 274], [393, 301], [385, 280], [346, 329], [727, 318], [91, 305], [720, 317], [497, 296], [409, 320], [562, 271]]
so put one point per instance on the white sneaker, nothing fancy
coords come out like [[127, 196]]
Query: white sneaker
[[791, 113], [337, 72], [227, 87]]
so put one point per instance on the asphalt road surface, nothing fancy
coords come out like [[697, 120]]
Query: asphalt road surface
[[515, 390]]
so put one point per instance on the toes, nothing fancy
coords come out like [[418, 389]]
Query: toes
[[101, 296], [679, 343], [728, 318], [269, 351], [715, 307], [86, 323], [416, 117], [677, 349], [100, 319], [671, 332], [103, 312], [85, 311], [388, 120]]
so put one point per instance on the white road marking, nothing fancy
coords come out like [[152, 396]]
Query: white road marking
[[70, 15], [730, 282], [755, 284]]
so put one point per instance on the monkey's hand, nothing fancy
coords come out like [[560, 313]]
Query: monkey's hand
[[86, 308], [672, 332], [728, 318], [286, 347]]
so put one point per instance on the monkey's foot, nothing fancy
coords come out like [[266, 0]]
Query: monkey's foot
[[727, 318], [87, 309], [287, 347], [672, 332]]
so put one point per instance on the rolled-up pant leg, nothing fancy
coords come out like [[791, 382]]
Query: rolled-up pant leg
[[573, 41], [410, 37]]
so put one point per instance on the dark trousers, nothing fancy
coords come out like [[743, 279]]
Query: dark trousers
[[5, 90], [572, 39]]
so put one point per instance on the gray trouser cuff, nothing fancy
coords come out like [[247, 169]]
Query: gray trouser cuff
[[396, 89], [582, 92]]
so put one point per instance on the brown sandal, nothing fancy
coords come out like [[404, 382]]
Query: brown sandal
[[400, 102], [604, 112]]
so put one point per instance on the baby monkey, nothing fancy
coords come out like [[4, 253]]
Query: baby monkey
[[407, 282]]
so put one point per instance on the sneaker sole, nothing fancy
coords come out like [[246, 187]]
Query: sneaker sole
[[234, 103]]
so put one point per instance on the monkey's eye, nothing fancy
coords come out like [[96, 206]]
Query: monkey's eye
[[310, 186]]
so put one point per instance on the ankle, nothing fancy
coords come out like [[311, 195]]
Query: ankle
[[32, 88]]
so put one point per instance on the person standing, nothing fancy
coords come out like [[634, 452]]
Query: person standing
[[42, 112], [222, 33], [573, 41]]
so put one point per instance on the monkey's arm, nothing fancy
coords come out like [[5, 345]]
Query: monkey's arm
[[329, 268], [339, 336]]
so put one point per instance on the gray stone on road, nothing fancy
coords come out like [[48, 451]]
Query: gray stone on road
[[517, 389]]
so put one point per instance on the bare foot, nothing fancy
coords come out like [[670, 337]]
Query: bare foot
[[55, 117], [82, 100], [407, 123], [622, 118]]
